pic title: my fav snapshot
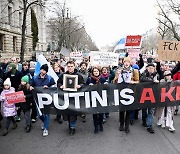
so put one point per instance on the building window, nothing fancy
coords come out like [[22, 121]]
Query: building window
[[20, 19], [10, 15], [14, 43], [1, 42]]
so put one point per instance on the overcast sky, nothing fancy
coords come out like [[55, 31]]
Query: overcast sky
[[109, 20]]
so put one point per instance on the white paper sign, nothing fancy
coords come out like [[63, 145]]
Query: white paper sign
[[104, 58]]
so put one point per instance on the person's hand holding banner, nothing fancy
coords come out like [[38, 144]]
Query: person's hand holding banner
[[78, 86], [62, 87]]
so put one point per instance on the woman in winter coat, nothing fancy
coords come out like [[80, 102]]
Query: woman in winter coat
[[96, 78], [109, 76], [26, 106], [165, 114], [8, 110]]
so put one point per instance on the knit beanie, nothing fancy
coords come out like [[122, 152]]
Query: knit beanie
[[13, 71], [44, 67], [7, 82], [25, 79]]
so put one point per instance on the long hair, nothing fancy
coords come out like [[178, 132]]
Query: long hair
[[27, 86]]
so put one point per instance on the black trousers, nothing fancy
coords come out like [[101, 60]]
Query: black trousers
[[34, 111], [8, 122], [98, 119], [124, 118]]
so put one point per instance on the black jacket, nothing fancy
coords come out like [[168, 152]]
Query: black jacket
[[15, 80], [70, 117], [25, 106], [146, 77]]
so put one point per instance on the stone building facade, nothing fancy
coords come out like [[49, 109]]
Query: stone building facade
[[11, 18]]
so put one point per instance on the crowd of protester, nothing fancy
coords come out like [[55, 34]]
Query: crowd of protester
[[16, 76]]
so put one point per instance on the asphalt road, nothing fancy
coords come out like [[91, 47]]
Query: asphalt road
[[111, 141]]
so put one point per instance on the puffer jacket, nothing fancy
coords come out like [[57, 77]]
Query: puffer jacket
[[7, 109]]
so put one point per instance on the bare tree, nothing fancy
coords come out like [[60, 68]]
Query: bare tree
[[67, 30], [168, 23], [27, 4]]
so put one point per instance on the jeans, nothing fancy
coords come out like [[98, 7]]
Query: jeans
[[147, 116], [46, 120], [27, 117], [134, 114], [72, 124]]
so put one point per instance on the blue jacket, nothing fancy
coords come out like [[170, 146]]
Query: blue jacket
[[40, 82]]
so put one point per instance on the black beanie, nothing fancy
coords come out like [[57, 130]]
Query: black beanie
[[44, 67]]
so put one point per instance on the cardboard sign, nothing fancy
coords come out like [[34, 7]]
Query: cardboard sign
[[133, 41], [169, 50], [16, 97], [133, 53], [104, 58]]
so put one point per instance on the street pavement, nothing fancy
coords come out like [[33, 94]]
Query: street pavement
[[111, 141]]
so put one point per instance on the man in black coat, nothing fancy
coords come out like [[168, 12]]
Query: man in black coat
[[71, 71]]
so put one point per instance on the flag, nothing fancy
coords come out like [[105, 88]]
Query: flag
[[42, 60], [120, 45]]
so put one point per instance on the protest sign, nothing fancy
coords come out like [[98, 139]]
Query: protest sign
[[133, 53], [104, 58], [169, 50], [105, 98], [133, 41], [77, 55], [16, 97]]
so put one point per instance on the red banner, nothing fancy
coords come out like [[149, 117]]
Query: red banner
[[133, 41], [16, 97]]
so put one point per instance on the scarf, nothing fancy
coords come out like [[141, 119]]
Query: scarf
[[97, 79], [105, 75]]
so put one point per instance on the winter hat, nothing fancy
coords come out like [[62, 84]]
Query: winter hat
[[7, 82], [150, 64], [127, 59], [167, 73], [25, 79], [44, 67], [135, 66], [13, 71]]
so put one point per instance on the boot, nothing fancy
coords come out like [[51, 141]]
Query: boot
[[127, 130], [150, 130], [5, 132], [72, 131], [121, 128], [28, 129]]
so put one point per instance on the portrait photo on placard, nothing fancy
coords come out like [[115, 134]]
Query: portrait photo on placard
[[70, 82]]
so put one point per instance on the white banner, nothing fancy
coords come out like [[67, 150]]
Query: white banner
[[104, 58], [77, 55]]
